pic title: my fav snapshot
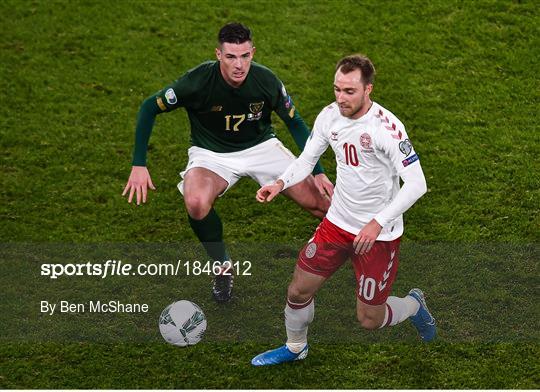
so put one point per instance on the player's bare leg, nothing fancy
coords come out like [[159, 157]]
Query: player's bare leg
[[299, 313], [370, 316], [396, 310], [300, 307], [304, 285], [201, 189], [307, 195]]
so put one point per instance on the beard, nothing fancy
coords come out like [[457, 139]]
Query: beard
[[352, 110], [363, 104]]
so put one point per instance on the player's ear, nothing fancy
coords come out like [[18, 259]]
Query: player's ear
[[253, 51], [369, 89], [218, 54]]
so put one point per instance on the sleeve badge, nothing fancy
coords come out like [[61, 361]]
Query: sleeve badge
[[410, 160], [170, 96], [405, 147]]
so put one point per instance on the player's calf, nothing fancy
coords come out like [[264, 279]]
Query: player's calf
[[298, 295], [370, 316], [369, 323]]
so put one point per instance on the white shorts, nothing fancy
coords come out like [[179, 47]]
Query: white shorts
[[264, 163]]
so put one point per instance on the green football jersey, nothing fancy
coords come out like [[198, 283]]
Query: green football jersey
[[227, 119]]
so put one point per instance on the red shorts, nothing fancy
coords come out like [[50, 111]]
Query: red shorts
[[375, 271]]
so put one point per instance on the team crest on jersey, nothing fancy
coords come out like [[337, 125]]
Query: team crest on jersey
[[311, 249], [405, 147], [256, 111], [170, 96], [256, 107], [333, 136], [365, 142]]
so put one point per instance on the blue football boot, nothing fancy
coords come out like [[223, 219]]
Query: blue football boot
[[423, 321], [278, 355]]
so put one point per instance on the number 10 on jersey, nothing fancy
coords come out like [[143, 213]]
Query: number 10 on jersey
[[351, 156]]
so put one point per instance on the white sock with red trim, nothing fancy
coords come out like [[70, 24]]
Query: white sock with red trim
[[297, 319], [399, 309]]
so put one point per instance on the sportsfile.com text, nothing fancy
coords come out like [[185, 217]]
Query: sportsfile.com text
[[120, 268]]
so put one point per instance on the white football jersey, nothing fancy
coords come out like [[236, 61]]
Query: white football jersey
[[372, 152]]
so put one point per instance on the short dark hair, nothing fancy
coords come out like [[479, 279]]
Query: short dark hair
[[234, 33], [358, 61]]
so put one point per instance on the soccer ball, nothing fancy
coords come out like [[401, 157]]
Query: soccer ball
[[182, 323]]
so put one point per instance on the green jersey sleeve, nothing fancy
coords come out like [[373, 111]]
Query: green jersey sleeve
[[186, 91], [181, 93], [145, 122]]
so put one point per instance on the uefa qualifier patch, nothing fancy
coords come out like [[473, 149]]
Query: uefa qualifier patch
[[405, 147], [170, 96]]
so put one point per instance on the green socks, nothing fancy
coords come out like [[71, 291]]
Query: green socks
[[209, 231]]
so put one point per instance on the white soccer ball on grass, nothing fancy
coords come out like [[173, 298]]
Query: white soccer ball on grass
[[182, 323]]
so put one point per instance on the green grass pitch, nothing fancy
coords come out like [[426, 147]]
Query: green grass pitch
[[463, 78]]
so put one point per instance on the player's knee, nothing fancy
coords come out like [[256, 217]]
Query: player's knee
[[197, 207]]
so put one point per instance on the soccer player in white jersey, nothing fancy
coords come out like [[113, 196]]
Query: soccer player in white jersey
[[365, 219]]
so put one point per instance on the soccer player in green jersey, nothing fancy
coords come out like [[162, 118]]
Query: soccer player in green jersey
[[229, 104]]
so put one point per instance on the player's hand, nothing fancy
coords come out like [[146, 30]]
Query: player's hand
[[138, 183], [364, 241], [324, 185], [268, 192]]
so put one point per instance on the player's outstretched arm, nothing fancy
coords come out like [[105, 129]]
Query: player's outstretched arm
[[138, 183], [268, 192]]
